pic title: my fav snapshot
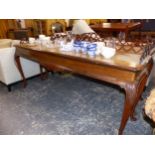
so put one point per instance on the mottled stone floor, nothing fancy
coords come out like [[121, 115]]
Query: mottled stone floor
[[65, 104]]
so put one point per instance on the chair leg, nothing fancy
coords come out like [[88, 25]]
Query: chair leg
[[44, 75], [9, 88]]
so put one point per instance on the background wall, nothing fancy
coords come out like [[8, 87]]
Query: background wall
[[7, 25], [3, 28]]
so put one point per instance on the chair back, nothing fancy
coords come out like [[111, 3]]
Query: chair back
[[57, 27]]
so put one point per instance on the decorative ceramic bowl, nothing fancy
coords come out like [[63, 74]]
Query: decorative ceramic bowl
[[108, 52]]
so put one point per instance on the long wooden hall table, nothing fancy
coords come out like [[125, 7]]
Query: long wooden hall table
[[131, 78]]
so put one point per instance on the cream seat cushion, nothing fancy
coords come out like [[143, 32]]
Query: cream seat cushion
[[5, 43], [150, 105]]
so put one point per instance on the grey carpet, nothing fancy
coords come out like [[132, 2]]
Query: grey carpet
[[66, 105]]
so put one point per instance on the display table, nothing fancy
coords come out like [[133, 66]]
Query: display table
[[129, 76]]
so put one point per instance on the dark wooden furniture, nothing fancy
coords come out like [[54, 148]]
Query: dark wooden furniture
[[131, 79], [148, 28], [20, 34], [117, 27]]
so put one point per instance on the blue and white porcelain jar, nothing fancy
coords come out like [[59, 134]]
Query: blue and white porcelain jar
[[91, 49], [84, 47], [77, 46]]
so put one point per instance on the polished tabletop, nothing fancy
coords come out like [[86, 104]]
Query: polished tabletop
[[117, 26], [125, 60]]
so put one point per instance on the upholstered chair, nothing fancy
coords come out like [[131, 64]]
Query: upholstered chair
[[9, 73], [149, 109]]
